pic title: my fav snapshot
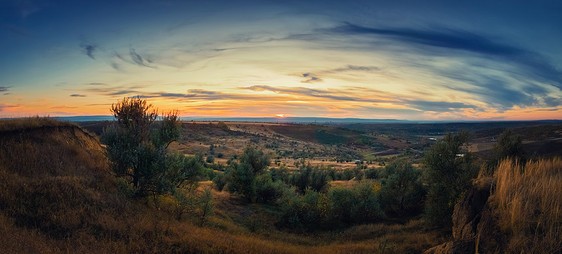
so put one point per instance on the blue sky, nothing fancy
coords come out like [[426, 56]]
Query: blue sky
[[413, 60]]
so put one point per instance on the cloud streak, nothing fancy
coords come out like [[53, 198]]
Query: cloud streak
[[524, 60], [447, 38], [312, 77], [138, 59]]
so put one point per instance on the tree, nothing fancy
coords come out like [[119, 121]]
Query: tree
[[253, 162], [448, 171], [401, 188], [136, 145], [509, 145]]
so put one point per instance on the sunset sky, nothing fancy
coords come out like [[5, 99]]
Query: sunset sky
[[411, 60]]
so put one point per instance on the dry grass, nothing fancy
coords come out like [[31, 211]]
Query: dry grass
[[56, 196], [30, 123], [529, 201]]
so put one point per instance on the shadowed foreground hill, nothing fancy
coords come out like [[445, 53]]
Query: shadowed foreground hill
[[57, 195]]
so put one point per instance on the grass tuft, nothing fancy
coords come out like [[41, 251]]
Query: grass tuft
[[529, 203]]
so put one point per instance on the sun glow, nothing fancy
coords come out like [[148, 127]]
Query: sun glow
[[280, 115]]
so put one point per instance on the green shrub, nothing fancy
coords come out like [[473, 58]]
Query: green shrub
[[347, 175], [367, 207], [308, 176], [343, 204], [267, 190], [401, 189], [448, 171], [307, 212], [220, 181], [372, 173]]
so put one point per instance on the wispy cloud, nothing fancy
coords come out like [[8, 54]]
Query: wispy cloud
[[4, 88], [438, 106], [331, 94], [451, 40], [5, 106], [204, 95], [138, 59], [77, 95], [89, 49], [446, 38], [310, 78]]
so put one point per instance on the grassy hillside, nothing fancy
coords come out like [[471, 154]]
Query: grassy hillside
[[58, 195]]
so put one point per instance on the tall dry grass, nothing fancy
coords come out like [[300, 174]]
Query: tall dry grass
[[529, 200]]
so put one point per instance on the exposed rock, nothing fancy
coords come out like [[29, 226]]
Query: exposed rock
[[475, 228], [489, 238], [468, 210]]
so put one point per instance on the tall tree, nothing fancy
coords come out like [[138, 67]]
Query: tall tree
[[136, 144]]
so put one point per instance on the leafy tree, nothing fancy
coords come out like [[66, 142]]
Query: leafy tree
[[448, 171], [309, 176], [367, 209], [206, 206], [181, 170], [401, 188], [136, 145], [220, 181], [256, 159], [509, 145], [343, 204], [253, 162]]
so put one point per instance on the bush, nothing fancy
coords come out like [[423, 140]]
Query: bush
[[242, 181], [448, 172], [401, 188], [342, 204], [311, 177], [183, 170], [253, 162], [372, 173], [338, 208], [347, 175], [267, 190], [367, 209], [509, 145], [354, 206], [307, 212], [280, 174], [220, 181]]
